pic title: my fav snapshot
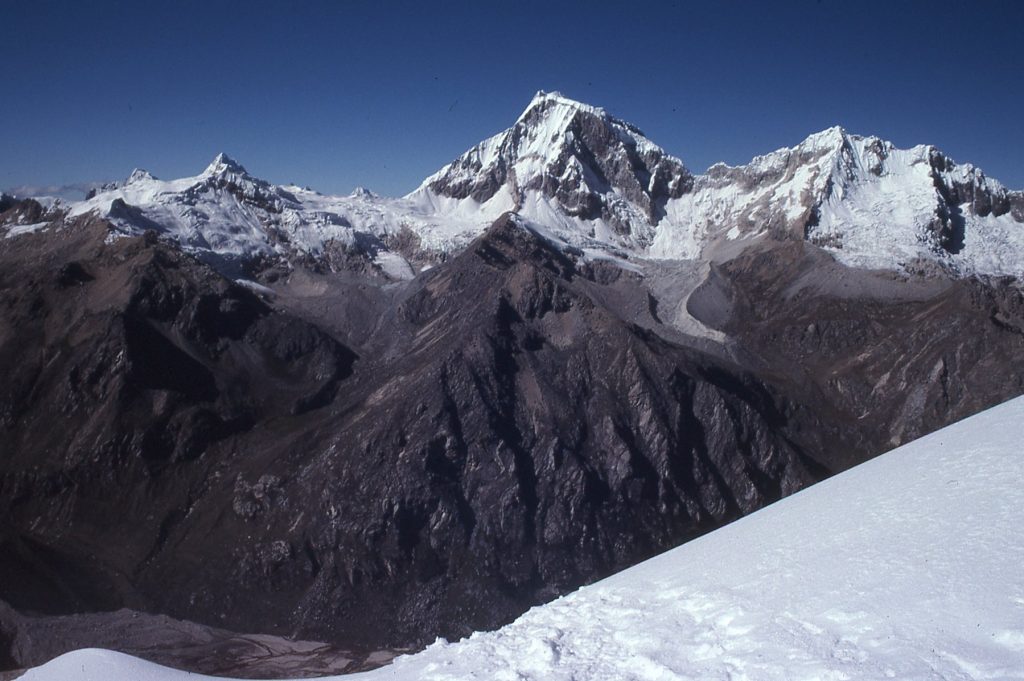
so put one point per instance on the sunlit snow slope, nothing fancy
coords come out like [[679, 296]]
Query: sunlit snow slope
[[906, 567]]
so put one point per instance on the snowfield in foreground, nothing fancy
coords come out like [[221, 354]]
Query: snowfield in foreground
[[910, 566]]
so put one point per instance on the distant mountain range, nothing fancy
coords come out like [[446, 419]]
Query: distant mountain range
[[596, 182]]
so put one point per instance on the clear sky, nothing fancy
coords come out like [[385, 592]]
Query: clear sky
[[381, 94]]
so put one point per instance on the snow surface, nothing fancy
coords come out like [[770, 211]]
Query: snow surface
[[906, 567]]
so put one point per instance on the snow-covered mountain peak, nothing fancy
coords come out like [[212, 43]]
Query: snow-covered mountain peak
[[567, 164], [864, 199], [364, 193], [139, 175], [830, 149], [547, 101], [222, 164], [827, 139]]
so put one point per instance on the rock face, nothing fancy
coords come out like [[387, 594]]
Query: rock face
[[126, 364], [514, 430], [895, 356], [375, 465]]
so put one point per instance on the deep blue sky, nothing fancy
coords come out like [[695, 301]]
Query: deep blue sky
[[338, 94]]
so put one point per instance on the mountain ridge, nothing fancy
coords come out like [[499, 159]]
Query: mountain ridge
[[596, 182]]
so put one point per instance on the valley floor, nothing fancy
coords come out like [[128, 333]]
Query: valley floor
[[906, 567]]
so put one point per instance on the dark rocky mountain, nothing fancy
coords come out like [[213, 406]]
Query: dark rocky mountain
[[375, 464]]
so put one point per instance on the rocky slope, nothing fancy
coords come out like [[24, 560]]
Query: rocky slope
[[32, 640], [514, 422], [438, 483]]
